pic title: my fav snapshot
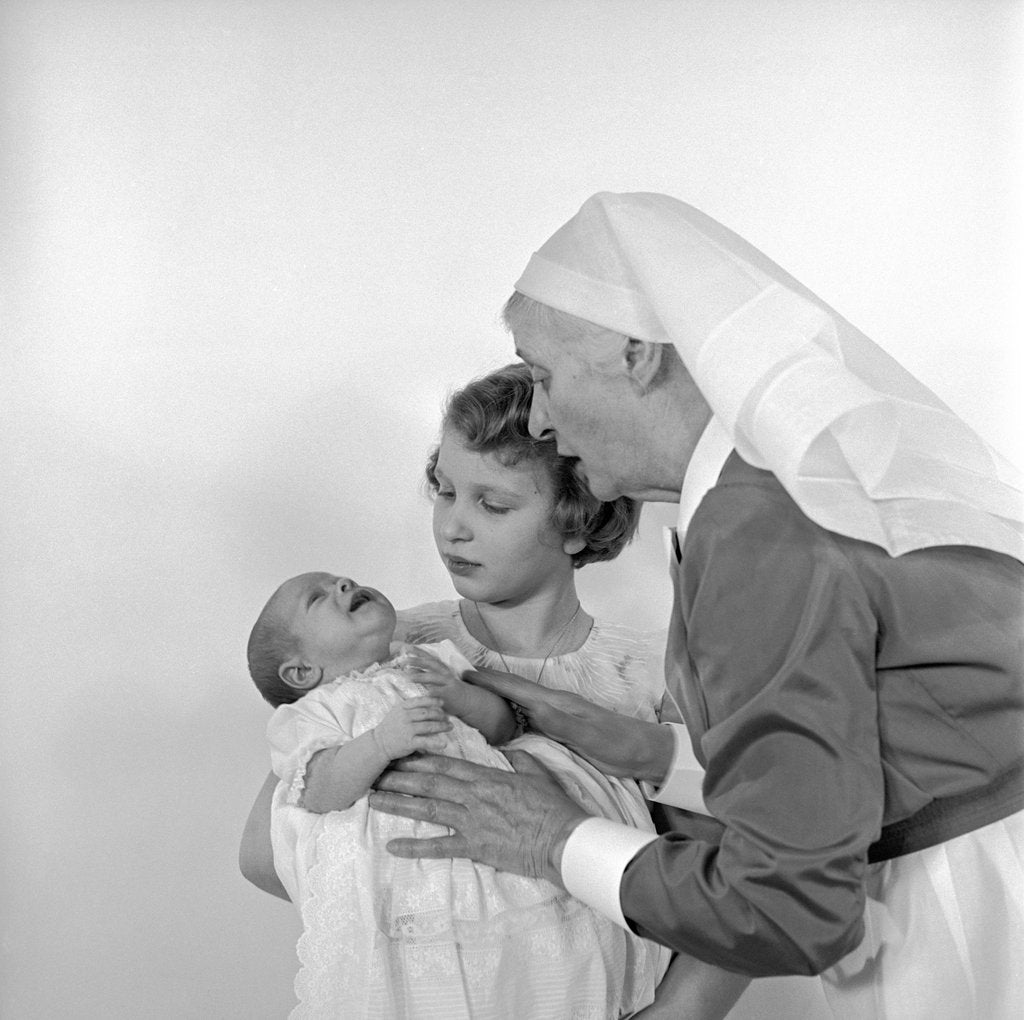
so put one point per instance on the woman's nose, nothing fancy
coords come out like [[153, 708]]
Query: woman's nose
[[539, 424]]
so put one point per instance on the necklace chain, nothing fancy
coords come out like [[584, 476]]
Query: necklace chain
[[554, 645]]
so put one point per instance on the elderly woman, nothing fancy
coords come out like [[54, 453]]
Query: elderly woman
[[845, 643]]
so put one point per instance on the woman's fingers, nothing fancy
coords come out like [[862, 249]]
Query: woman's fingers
[[525, 764], [513, 822], [433, 788], [418, 809], [439, 846], [433, 769], [516, 688], [428, 796], [532, 696]]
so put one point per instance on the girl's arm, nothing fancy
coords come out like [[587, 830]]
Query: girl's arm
[[336, 777], [695, 989], [486, 711], [256, 853]]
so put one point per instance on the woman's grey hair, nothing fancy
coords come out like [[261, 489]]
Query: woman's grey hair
[[527, 314], [604, 346]]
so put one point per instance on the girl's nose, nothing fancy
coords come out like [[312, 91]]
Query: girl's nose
[[453, 525], [344, 584]]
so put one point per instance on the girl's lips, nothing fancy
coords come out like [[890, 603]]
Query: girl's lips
[[456, 565]]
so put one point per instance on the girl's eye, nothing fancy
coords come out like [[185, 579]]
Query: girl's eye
[[491, 508], [444, 494]]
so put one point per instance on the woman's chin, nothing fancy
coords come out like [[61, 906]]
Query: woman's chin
[[606, 493], [598, 486]]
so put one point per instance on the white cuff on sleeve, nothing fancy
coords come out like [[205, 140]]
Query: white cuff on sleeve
[[683, 785], [594, 858]]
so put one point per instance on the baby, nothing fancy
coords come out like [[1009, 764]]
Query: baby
[[389, 937]]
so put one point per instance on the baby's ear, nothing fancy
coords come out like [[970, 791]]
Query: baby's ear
[[300, 675]]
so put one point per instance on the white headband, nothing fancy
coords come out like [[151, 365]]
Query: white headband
[[863, 447]]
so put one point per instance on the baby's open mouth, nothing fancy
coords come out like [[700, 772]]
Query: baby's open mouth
[[359, 598]]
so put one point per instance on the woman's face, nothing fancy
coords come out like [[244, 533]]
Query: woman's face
[[580, 401], [492, 527]]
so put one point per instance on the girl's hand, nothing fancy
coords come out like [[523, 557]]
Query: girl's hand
[[415, 724], [430, 671], [618, 745]]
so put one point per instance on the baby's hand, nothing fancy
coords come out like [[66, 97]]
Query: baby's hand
[[430, 671], [415, 724]]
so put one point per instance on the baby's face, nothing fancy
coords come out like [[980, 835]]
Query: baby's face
[[337, 624]]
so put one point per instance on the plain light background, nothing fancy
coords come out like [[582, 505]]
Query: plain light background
[[247, 247]]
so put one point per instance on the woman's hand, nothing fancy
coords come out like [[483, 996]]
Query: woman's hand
[[618, 745], [514, 821]]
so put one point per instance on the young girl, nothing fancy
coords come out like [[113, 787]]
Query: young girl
[[512, 523], [391, 938]]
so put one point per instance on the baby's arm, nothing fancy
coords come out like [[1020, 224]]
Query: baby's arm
[[490, 713], [336, 777]]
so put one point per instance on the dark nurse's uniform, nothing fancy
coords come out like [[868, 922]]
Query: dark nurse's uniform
[[853, 711]]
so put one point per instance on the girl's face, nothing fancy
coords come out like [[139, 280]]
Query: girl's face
[[492, 527]]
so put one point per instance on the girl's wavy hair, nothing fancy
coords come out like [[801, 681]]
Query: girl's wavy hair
[[491, 415]]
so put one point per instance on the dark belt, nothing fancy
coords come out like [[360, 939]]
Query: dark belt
[[948, 817]]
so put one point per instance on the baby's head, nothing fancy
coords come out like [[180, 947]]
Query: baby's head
[[314, 628]]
